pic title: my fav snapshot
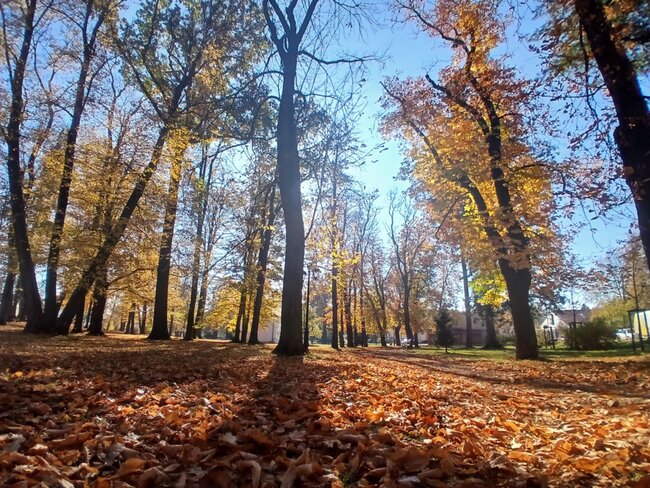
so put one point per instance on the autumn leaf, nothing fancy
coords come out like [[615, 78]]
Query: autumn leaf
[[129, 467]]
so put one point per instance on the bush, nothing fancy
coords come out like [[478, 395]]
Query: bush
[[593, 335], [444, 333]]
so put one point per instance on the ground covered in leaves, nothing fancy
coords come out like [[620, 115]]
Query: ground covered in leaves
[[120, 411]]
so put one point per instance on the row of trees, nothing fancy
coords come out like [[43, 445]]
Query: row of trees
[[221, 114]]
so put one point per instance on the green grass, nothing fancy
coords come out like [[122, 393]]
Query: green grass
[[620, 349], [507, 353], [504, 354]]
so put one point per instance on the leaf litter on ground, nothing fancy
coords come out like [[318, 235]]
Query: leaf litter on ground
[[120, 411]]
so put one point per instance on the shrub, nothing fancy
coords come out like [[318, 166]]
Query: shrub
[[593, 335], [444, 332]]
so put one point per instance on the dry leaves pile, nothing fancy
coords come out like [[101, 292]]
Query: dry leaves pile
[[120, 412]]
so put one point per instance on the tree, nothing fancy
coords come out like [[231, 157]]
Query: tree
[[377, 292], [89, 21], [408, 242], [176, 56], [444, 329], [288, 29], [469, 128], [19, 23], [287, 35], [615, 35]]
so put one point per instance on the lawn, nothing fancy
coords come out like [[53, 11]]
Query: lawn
[[618, 350], [121, 411]]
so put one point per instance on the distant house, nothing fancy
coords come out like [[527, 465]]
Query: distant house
[[270, 331], [555, 320], [459, 329]]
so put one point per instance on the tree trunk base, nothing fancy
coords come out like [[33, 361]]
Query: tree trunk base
[[288, 351], [96, 334], [159, 337]]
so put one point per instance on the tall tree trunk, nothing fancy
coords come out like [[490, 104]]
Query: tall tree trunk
[[364, 333], [335, 307], [341, 328], [130, 325], [143, 319], [468, 309], [335, 265], [100, 292], [240, 316], [196, 265], [262, 264], [290, 342], [19, 302], [88, 314], [518, 285], [306, 333], [407, 312], [633, 132], [244, 325], [198, 249], [203, 294], [13, 138], [114, 236], [7, 303], [51, 310], [487, 314], [349, 332], [396, 333], [355, 316], [79, 319], [159, 330]]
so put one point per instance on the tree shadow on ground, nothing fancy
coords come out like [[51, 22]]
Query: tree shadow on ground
[[548, 375], [209, 413]]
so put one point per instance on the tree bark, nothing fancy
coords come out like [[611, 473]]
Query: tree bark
[[342, 322], [198, 249], [335, 307], [633, 132], [240, 316], [349, 331], [7, 303], [487, 314], [79, 318], [364, 333], [203, 294], [99, 303], [262, 264], [518, 285], [468, 308], [159, 330], [407, 311], [290, 342], [244, 326], [143, 319], [28, 281]]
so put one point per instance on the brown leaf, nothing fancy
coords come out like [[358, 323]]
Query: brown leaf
[[130, 466], [411, 460], [255, 468], [71, 441], [151, 477]]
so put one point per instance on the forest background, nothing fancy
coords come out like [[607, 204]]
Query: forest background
[[191, 104]]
